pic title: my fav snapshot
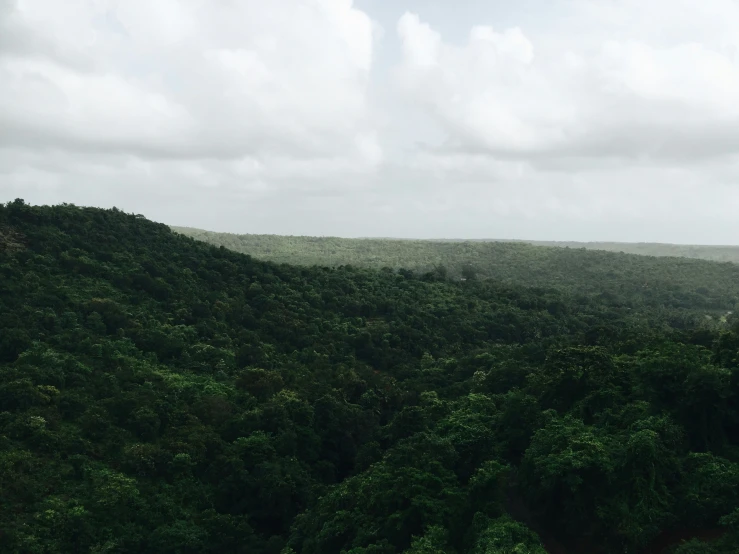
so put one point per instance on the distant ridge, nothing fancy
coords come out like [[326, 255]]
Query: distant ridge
[[716, 253]]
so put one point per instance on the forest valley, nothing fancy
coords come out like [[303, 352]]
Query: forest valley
[[162, 395]]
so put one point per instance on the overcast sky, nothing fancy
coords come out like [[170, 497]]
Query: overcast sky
[[539, 119]]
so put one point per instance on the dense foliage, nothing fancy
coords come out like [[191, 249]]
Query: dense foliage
[[161, 395]]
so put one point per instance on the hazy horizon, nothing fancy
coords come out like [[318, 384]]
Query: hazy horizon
[[569, 121], [461, 239]]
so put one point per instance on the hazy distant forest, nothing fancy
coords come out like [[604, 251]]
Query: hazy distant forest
[[162, 395], [487, 258]]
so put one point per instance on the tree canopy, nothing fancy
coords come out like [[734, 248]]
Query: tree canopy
[[162, 395]]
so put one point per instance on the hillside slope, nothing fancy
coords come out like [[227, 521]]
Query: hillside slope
[[617, 278], [701, 252], [714, 253], [161, 395]]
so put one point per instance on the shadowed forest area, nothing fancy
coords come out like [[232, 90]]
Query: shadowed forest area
[[162, 395]]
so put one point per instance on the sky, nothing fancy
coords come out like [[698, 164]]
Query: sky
[[583, 120]]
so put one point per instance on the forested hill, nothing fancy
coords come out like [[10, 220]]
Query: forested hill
[[715, 253], [701, 252], [160, 395], [617, 278], [333, 250]]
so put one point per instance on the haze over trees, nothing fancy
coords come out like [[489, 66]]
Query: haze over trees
[[373, 251], [162, 395], [613, 276]]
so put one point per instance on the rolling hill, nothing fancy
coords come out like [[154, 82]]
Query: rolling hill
[[615, 277], [162, 395]]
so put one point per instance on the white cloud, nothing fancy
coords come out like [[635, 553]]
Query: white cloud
[[486, 94], [589, 119], [192, 79], [617, 97], [49, 99]]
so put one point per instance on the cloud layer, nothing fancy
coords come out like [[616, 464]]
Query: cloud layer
[[499, 94], [619, 120]]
